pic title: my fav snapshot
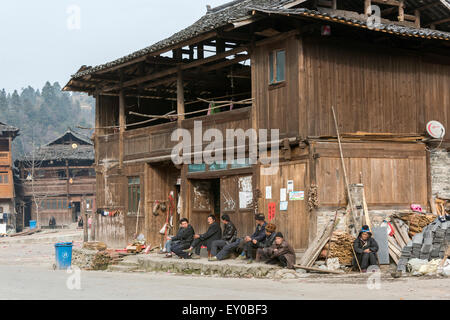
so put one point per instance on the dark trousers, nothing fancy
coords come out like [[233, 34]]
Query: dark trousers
[[281, 261], [368, 259], [197, 245], [249, 248], [178, 249], [221, 249]]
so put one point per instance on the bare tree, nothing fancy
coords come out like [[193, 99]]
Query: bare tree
[[31, 162]]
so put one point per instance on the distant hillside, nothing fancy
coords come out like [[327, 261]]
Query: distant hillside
[[42, 115]]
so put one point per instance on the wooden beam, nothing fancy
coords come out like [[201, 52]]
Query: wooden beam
[[180, 96], [334, 4], [388, 11], [200, 51], [427, 6], [122, 124], [388, 2], [200, 38], [439, 22], [401, 11], [417, 20], [170, 71], [367, 8]]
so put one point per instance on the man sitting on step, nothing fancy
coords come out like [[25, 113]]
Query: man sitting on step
[[222, 248], [213, 233], [181, 241], [250, 243], [281, 253]]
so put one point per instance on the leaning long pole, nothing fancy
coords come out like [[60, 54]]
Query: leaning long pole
[[343, 164]]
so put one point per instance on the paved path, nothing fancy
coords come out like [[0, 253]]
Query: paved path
[[26, 273], [37, 282]]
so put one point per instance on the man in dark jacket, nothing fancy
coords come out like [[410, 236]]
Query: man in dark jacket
[[366, 249], [249, 243], [263, 246], [182, 240], [222, 248], [214, 232], [281, 253]]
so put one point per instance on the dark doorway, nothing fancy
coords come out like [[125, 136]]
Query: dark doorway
[[75, 211]]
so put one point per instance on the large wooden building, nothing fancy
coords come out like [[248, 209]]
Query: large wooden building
[[273, 65], [58, 179], [7, 191]]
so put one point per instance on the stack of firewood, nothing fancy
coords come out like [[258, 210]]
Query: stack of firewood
[[340, 247], [415, 221]]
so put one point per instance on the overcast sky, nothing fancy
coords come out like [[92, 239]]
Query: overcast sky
[[44, 40]]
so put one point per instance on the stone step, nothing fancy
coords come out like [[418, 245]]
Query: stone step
[[122, 268]]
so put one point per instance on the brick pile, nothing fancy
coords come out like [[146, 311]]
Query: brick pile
[[430, 244]]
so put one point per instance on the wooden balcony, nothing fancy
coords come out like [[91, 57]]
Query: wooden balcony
[[60, 187], [155, 141]]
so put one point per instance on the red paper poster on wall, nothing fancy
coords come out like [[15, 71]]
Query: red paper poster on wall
[[271, 210]]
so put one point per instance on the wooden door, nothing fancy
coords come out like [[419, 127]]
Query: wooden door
[[294, 222], [202, 204], [236, 200]]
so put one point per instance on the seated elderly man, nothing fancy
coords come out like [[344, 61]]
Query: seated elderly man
[[281, 253], [264, 246], [366, 249]]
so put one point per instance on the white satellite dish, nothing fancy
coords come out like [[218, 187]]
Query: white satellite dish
[[435, 129]]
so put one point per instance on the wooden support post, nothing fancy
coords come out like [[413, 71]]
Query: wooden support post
[[180, 96], [367, 7], [401, 11], [85, 220], [220, 46], [97, 131], [121, 126], [334, 4], [200, 51], [417, 21]]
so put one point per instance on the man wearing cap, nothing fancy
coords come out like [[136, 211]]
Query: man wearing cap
[[264, 246], [250, 243], [366, 249], [281, 253], [221, 248]]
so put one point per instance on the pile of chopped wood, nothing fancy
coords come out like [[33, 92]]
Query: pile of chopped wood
[[340, 246], [415, 221]]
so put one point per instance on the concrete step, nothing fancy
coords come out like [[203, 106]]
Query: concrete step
[[123, 268]]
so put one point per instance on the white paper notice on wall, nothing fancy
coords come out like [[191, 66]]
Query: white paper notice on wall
[[2, 228], [245, 199], [269, 192], [283, 206], [283, 194], [290, 185]]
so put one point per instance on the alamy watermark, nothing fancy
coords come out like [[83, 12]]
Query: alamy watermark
[[73, 21], [373, 17], [73, 282], [190, 149]]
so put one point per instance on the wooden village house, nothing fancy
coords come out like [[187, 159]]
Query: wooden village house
[[7, 191], [274, 64], [58, 180]]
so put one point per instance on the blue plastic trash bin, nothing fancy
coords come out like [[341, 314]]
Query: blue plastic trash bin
[[63, 255], [32, 224]]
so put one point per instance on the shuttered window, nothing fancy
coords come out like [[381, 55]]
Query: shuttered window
[[134, 194]]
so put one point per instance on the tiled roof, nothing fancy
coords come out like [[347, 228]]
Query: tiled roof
[[237, 10], [357, 22], [215, 18]]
